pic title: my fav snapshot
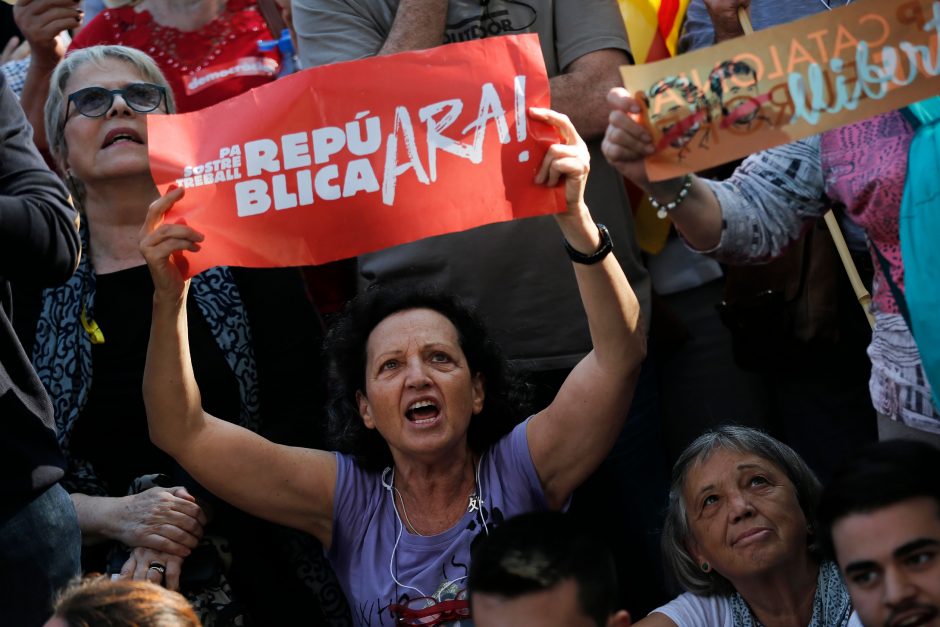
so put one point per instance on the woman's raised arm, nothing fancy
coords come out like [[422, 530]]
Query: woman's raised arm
[[571, 437], [291, 486]]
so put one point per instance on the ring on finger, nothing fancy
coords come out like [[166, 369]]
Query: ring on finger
[[157, 566]]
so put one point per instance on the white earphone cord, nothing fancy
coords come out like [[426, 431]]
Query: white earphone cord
[[390, 486], [828, 5]]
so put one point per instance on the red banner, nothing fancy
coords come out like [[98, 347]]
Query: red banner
[[345, 159]]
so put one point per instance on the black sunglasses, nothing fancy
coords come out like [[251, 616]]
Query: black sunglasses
[[94, 102]]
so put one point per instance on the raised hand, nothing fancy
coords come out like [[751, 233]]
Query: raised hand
[[569, 159], [626, 142], [159, 241], [41, 21]]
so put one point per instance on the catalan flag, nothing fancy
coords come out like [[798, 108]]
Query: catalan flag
[[653, 28]]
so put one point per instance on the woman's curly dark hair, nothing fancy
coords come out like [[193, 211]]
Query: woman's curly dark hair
[[507, 397]]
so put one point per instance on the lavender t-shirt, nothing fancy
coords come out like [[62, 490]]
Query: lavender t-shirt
[[365, 530]]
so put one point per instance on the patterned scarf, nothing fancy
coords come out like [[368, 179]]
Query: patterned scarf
[[62, 352], [832, 606]]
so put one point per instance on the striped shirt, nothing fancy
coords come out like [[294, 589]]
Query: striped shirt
[[772, 196]]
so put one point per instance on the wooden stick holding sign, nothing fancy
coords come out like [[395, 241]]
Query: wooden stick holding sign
[[864, 298], [745, 18], [861, 293]]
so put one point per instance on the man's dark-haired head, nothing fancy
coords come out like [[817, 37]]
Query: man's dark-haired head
[[880, 475], [880, 519], [541, 553]]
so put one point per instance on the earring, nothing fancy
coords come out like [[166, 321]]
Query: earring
[[706, 568]]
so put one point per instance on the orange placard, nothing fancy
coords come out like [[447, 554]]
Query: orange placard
[[747, 94], [345, 159]]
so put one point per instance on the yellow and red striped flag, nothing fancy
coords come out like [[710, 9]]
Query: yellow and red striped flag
[[653, 29]]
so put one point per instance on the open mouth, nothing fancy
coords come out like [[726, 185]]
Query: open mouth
[[422, 412], [121, 135], [921, 615]]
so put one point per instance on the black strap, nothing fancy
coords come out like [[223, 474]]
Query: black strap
[[895, 290], [911, 118]]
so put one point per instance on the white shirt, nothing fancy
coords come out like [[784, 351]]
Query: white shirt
[[691, 610]]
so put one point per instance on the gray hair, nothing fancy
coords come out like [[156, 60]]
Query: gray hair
[[55, 103], [676, 529]]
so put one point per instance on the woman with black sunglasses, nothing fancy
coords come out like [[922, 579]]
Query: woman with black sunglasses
[[90, 349]]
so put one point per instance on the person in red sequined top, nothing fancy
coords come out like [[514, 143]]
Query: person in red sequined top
[[207, 49]]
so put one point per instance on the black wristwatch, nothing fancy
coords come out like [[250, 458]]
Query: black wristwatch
[[598, 255]]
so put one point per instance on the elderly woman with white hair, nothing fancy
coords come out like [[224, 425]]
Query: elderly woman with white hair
[[739, 538], [91, 346]]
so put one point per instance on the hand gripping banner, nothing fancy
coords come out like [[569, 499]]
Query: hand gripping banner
[[349, 158]]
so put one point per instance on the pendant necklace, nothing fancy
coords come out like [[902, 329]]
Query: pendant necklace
[[473, 503]]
